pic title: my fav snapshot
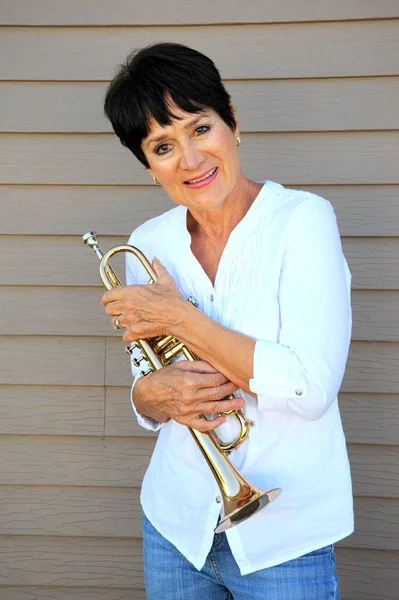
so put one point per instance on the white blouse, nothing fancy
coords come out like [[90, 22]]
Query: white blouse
[[283, 280]]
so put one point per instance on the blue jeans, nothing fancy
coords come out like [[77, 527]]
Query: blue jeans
[[170, 576]]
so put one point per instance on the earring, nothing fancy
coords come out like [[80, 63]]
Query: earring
[[155, 180], [238, 139]]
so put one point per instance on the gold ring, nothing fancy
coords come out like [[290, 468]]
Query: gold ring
[[116, 324]]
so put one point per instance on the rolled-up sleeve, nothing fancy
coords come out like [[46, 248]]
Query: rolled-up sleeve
[[303, 371]]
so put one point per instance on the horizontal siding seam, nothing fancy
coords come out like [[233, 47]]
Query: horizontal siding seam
[[197, 25]]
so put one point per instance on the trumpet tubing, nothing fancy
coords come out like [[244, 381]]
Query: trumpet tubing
[[240, 498]]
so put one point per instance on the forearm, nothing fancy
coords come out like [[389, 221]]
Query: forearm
[[183, 392], [228, 351]]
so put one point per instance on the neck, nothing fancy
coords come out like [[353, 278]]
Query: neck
[[220, 222]]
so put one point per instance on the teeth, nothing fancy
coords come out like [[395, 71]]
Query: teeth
[[202, 178]]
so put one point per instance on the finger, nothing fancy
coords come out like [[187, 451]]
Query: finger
[[113, 295], [204, 367], [159, 268], [211, 394], [219, 406], [128, 337], [114, 308], [132, 334], [196, 366], [201, 386], [211, 380], [203, 425]]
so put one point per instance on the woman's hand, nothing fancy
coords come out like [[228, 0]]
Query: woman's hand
[[183, 392], [146, 311]]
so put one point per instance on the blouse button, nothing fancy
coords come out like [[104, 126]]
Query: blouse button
[[211, 297], [299, 392], [218, 499]]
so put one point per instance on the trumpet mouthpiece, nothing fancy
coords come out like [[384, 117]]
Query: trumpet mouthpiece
[[90, 238]]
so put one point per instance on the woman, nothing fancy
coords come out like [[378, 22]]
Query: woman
[[266, 267]]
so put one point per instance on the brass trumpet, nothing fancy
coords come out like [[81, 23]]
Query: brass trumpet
[[240, 498]]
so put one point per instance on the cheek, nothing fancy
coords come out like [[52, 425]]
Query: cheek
[[225, 149], [166, 172]]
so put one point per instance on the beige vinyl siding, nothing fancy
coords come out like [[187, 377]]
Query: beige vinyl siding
[[99, 159], [276, 51], [339, 104], [318, 105], [374, 261], [76, 311], [135, 12], [117, 515], [73, 206]]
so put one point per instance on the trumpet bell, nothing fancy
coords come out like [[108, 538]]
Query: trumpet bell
[[240, 508]]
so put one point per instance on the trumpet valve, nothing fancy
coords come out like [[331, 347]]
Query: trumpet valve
[[169, 355], [130, 348], [137, 361], [149, 370]]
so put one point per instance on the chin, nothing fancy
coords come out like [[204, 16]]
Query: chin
[[203, 203]]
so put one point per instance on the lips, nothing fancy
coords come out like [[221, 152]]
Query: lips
[[202, 177]]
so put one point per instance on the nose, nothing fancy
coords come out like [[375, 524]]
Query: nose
[[191, 157]]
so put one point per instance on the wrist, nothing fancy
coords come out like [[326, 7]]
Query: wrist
[[145, 409], [195, 330], [183, 314]]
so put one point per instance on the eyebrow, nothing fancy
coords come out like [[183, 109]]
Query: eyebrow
[[189, 125]]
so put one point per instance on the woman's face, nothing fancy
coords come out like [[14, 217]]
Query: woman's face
[[195, 158]]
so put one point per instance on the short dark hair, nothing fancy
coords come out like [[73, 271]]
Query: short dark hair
[[154, 76]]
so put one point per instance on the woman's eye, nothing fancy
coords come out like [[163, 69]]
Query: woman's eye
[[162, 149], [202, 129]]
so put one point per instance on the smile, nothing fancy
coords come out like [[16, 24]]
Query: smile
[[204, 177]]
